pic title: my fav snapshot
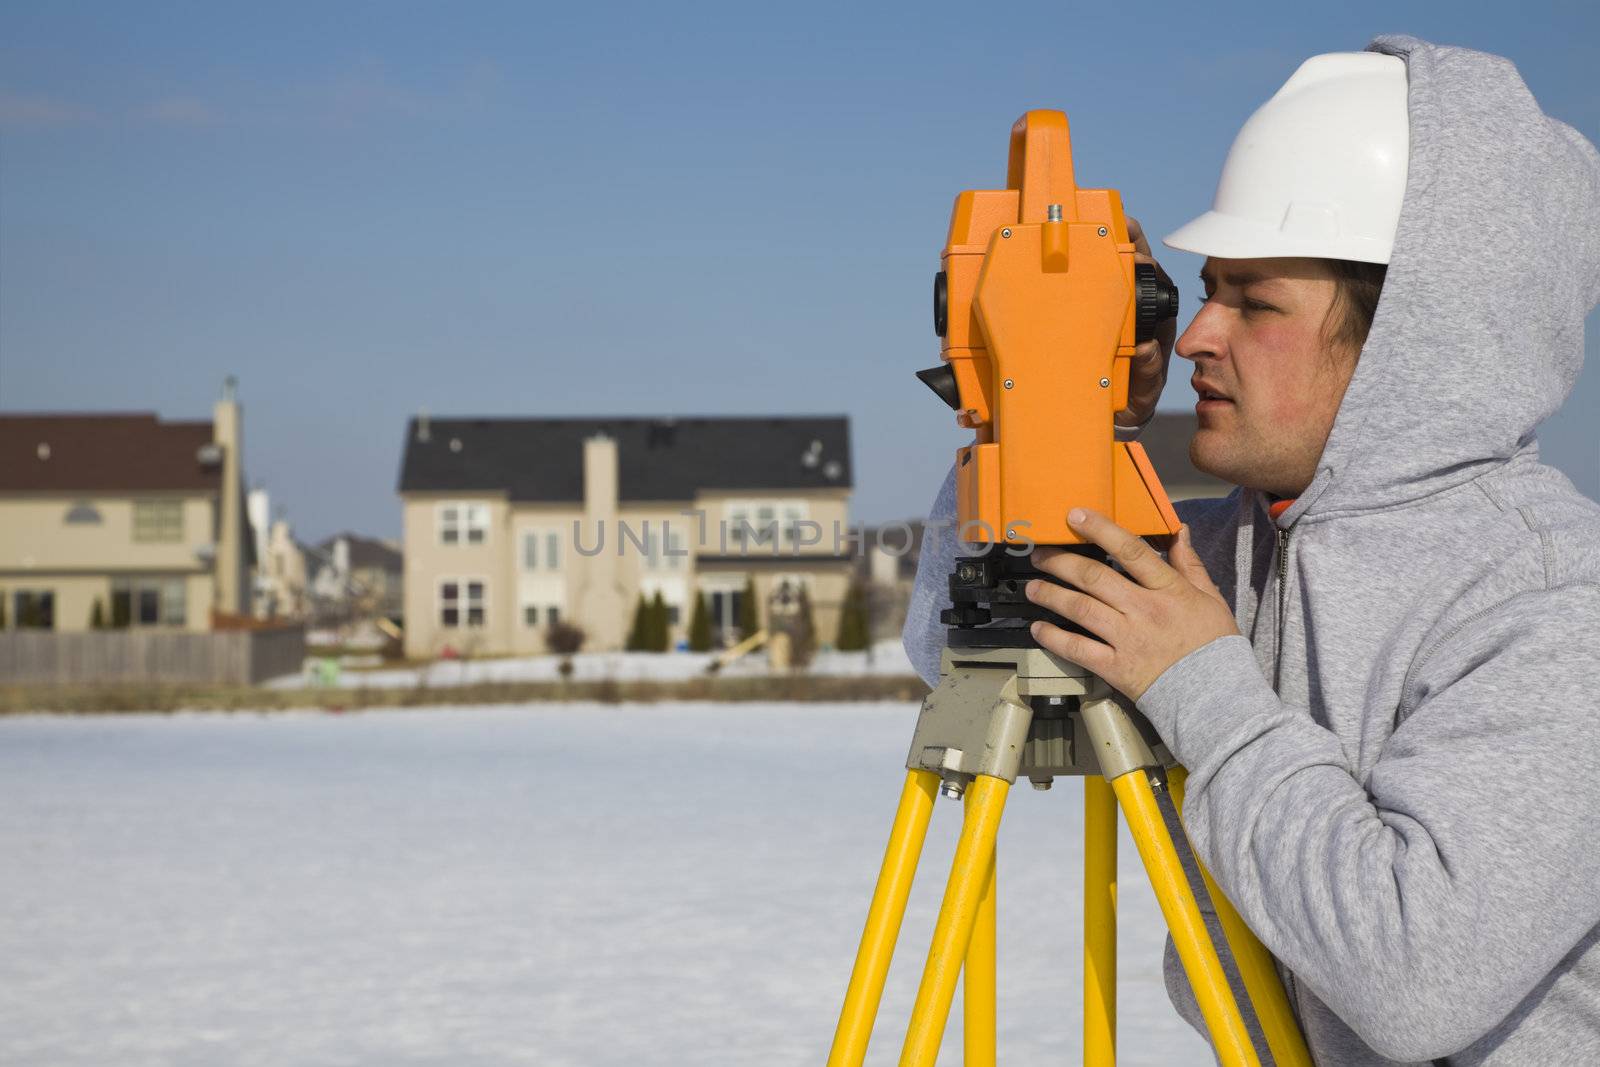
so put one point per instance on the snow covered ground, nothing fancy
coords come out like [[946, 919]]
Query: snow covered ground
[[559, 885], [886, 657]]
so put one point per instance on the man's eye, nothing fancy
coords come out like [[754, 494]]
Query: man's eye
[[1256, 305]]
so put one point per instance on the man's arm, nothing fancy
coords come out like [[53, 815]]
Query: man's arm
[[1424, 904], [923, 635]]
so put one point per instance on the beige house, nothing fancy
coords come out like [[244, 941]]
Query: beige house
[[139, 518], [511, 525]]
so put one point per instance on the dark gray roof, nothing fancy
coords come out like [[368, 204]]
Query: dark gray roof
[[365, 552], [657, 459]]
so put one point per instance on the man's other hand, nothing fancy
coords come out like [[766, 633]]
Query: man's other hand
[[1148, 374]]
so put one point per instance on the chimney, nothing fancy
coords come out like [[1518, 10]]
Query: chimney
[[600, 477], [424, 431], [604, 611], [228, 567]]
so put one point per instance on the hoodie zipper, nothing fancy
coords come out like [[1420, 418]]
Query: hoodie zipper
[[1277, 677], [1283, 597]]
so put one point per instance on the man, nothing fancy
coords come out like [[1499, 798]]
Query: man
[[1378, 658]]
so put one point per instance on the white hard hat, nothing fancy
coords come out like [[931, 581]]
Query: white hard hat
[[1319, 170]]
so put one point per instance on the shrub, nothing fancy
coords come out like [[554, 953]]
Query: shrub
[[660, 633], [563, 638], [853, 631], [641, 622], [749, 615], [700, 625]]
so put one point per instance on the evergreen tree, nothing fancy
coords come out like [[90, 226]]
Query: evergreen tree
[[804, 634], [700, 625], [853, 636], [749, 615], [660, 629], [641, 623], [97, 616]]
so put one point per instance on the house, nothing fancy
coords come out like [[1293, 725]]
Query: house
[[124, 519], [355, 578], [280, 578], [511, 525]]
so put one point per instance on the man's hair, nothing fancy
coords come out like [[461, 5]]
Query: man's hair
[[1357, 287]]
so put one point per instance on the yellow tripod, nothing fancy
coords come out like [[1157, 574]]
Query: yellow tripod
[[1003, 711]]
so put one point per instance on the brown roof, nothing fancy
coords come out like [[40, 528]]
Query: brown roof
[[99, 453]]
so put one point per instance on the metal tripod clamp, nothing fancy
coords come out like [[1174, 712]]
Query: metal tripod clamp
[[995, 712]]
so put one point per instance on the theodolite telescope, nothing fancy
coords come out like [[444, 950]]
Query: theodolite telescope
[[1040, 306]]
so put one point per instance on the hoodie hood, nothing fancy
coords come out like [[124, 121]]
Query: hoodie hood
[[1478, 335]]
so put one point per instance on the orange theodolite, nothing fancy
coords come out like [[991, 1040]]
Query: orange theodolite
[[1039, 307]]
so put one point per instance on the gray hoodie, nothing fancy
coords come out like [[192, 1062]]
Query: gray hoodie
[[1395, 776]]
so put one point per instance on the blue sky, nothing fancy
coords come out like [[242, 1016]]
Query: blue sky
[[514, 209]]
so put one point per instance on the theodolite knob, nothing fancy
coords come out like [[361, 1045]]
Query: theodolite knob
[[1154, 301]]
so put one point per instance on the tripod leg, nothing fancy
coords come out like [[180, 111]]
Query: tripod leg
[[1099, 923], [1200, 960], [1255, 963], [977, 978], [953, 931], [888, 908]]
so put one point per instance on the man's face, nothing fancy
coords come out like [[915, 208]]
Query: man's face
[[1269, 380]]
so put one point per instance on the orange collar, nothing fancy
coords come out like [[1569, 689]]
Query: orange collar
[[1277, 509]]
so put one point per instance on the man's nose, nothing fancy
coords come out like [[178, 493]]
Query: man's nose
[[1200, 339]]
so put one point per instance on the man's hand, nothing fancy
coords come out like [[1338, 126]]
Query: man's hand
[[1148, 374], [1146, 620]]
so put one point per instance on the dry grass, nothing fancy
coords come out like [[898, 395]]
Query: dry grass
[[104, 699]]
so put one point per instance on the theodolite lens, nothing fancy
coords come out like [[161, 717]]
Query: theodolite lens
[[1155, 301], [941, 304]]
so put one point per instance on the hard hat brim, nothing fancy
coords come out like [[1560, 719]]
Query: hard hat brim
[[1220, 236]]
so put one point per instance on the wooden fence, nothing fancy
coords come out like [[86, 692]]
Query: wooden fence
[[242, 657]]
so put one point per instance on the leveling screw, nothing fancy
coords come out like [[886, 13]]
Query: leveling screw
[[952, 789]]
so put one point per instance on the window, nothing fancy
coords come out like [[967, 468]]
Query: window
[[541, 550], [664, 550], [148, 602], [462, 523], [34, 609], [530, 615], [765, 523], [157, 521], [461, 599]]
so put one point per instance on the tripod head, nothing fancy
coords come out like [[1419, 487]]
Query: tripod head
[[1038, 307]]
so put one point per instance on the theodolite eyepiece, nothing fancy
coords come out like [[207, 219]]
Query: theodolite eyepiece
[[1156, 302]]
